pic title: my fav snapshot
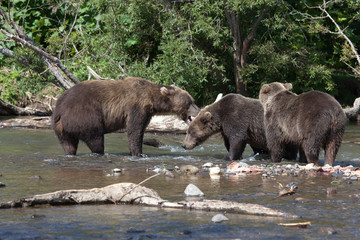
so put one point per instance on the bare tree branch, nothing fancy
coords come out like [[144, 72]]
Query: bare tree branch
[[339, 31], [42, 53]]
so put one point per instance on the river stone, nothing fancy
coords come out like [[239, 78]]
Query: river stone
[[354, 178], [218, 218], [189, 169], [192, 190], [327, 230], [117, 170], [331, 191], [214, 170], [207, 165], [2, 184]]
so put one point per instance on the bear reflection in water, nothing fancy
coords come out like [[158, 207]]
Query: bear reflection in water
[[93, 108]]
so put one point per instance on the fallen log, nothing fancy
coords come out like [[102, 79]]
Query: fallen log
[[130, 193]]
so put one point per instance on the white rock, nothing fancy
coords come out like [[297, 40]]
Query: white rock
[[192, 190], [208, 165], [309, 166], [214, 171], [218, 218]]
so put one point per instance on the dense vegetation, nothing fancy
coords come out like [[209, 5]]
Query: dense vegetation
[[204, 46]]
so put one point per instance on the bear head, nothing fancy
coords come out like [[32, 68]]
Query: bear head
[[180, 102], [269, 90], [201, 128]]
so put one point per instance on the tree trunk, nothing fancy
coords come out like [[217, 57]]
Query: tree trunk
[[241, 46]]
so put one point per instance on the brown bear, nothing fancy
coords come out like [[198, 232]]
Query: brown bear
[[311, 120], [240, 121], [92, 108]]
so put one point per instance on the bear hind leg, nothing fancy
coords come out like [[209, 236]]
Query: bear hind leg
[[331, 150], [96, 144], [276, 149], [312, 150], [69, 144]]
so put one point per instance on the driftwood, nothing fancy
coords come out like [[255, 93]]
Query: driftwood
[[130, 193], [354, 112], [165, 124], [7, 109]]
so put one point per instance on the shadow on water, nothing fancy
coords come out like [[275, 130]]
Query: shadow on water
[[32, 162]]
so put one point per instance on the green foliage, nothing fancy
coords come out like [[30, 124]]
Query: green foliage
[[187, 43], [8, 90]]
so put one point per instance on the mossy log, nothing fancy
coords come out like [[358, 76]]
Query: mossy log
[[130, 193]]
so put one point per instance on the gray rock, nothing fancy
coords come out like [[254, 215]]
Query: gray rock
[[218, 218], [2, 184], [192, 190]]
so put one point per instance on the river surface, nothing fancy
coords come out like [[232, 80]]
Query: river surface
[[26, 154]]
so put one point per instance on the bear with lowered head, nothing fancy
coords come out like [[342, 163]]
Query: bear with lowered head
[[93, 108], [311, 120], [240, 121]]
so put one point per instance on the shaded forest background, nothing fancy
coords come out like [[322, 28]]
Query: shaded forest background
[[205, 47]]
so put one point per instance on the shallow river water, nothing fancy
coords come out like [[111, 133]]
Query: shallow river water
[[26, 154]]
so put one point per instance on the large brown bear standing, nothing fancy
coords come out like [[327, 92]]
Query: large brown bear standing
[[92, 108], [312, 120], [240, 121]]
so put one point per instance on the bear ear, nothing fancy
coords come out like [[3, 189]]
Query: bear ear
[[288, 86], [206, 118], [164, 91], [265, 89]]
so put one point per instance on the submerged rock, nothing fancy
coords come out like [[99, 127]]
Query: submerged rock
[[36, 177], [218, 218], [152, 142], [192, 191], [331, 191], [327, 230]]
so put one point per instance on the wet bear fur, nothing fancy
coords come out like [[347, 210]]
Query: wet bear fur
[[311, 120], [240, 121], [93, 108]]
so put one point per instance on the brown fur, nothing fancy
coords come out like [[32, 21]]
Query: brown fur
[[240, 121], [93, 108], [312, 120]]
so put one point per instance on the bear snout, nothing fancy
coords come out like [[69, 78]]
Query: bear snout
[[187, 146]]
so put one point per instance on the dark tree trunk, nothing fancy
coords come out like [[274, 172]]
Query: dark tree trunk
[[241, 46]]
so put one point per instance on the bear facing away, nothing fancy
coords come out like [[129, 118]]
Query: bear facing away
[[240, 121], [93, 108], [311, 120]]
